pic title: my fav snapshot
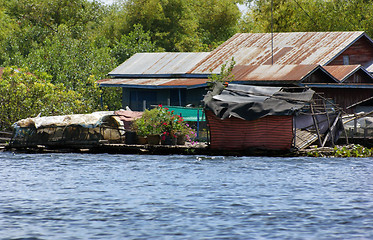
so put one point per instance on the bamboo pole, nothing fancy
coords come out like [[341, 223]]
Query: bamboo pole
[[359, 116], [316, 125], [331, 131], [327, 116]]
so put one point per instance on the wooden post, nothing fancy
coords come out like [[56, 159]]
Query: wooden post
[[179, 97], [346, 135], [295, 131], [327, 116], [331, 130], [198, 123], [315, 123]]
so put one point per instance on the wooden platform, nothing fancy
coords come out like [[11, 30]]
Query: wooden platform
[[303, 139], [119, 148]]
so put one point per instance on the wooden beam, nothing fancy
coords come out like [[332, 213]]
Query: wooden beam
[[331, 130], [315, 124]]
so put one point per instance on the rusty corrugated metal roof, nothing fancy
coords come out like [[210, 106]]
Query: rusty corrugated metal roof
[[290, 48], [165, 63], [154, 82], [241, 73], [272, 72], [342, 72]]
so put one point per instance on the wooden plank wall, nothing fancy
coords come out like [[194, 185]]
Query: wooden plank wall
[[345, 97], [361, 52]]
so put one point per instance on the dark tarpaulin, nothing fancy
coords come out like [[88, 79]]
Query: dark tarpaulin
[[252, 102]]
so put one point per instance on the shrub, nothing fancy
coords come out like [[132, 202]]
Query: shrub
[[161, 121]]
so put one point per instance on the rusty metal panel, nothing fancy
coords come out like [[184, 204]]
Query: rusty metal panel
[[153, 82], [342, 72], [370, 68], [270, 132], [159, 63], [304, 48], [272, 72]]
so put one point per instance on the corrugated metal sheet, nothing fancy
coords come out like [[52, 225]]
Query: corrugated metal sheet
[[243, 73], [305, 48], [271, 132], [153, 82], [342, 72], [370, 68], [272, 72], [159, 63]]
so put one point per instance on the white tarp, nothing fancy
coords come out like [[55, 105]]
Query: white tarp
[[85, 120]]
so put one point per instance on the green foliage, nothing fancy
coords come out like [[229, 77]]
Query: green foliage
[[111, 98], [353, 150], [50, 14], [135, 42], [225, 73], [308, 15], [218, 20], [55, 56], [179, 25], [24, 95], [75, 41], [113, 23], [7, 25], [170, 21]]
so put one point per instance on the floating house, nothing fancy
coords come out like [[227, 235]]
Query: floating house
[[343, 85], [243, 117], [336, 64], [150, 79], [345, 55]]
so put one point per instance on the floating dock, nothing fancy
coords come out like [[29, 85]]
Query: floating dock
[[200, 148]]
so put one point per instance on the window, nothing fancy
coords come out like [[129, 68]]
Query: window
[[142, 99], [346, 60]]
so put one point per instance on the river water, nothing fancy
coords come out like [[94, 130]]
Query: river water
[[102, 196]]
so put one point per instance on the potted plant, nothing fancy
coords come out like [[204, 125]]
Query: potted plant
[[141, 130], [164, 124], [149, 126]]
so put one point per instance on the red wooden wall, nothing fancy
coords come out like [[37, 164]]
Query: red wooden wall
[[361, 52], [271, 132]]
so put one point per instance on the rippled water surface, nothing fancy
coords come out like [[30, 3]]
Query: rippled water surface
[[85, 196]]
